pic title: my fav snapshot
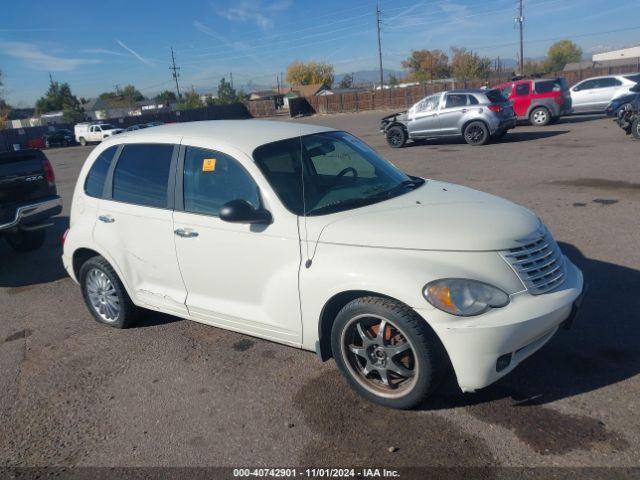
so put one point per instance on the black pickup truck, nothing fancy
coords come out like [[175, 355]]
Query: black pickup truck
[[28, 198]]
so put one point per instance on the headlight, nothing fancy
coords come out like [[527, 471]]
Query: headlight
[[459, 296]]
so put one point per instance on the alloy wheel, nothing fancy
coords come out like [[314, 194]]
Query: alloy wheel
[[102, 295], [379, 355], [395, 138], [474, 133], [540, 117]]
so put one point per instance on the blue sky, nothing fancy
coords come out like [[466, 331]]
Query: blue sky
[[96, 45]]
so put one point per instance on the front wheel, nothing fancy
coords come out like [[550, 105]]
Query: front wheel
[[386, 352], [27, 241], [540, 117], [476, 133], [396, 137], [635, 128]]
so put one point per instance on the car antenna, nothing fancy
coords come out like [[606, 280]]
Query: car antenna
[[308, 262]]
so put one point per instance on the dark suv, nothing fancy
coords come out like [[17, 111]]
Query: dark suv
[[60, 137], [541, 101]]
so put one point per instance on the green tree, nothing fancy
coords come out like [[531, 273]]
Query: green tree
[[125, 96], [190, 100], [533, 68], [346, 81], [226, 93], [166, 96], [310, 73], [561, 53], [393, 80], [467, 65], [59, 97], [427, 65]]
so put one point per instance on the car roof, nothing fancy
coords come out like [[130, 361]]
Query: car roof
[[469, 90], [245, 135]]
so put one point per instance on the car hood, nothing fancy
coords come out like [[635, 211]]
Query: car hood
[[435, 216]]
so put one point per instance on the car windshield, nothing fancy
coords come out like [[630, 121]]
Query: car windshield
[[340, 173]]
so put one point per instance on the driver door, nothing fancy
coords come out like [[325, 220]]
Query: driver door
[[238, 276], [423, 117]]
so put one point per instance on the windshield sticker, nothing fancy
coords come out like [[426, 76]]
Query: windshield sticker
[[208, 164]]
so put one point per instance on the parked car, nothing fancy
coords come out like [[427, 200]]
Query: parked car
[[476, 115], [621, 102], [94, 132], [594, 94], [138, 126], [628, 118], [304, 235], [540, 101], [28, 198], [60, 137], [154, 124]]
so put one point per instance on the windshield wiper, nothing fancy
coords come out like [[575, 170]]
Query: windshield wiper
[[414, 183], [344, 204]]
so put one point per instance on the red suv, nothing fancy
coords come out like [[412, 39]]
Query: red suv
[[541, 101]]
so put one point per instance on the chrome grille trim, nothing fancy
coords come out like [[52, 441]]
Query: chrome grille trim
[[538, 263]]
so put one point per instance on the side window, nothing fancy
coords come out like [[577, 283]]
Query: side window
[[473, 100], [428, 104], [212, 179], [455, 100], [522, 89], [94, 183], [141, 175], [609, 82]]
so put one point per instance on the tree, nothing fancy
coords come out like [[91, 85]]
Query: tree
[[346, 82], [226, 93], [190, 100], [393, 81], [59, 97], [126, 96], [311, 73], [427, 65], [534, 68], [467, 65], [166, 96], [561, 53]]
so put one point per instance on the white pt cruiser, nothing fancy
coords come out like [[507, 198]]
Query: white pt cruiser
[[304, 235]]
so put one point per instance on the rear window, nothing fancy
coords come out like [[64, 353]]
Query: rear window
[[547, 86], [94, 183], [141, 176], [496, 96]]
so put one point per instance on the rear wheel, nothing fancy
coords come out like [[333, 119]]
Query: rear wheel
[[540, 117], [476, 133], [83, 141], [24, 241], [386, 352], [104, 294], [396, 137], [635, 128]]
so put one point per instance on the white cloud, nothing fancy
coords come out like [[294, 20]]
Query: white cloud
[[103, 51], [146, 61], [33, 56], [255, 11]]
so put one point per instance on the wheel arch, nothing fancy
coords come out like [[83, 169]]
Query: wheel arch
[[471, 120]]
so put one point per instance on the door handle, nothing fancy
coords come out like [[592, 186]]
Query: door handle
[[464, 110], [185, 233], [106, 218]]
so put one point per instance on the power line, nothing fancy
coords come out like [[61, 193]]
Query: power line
[[379, 44], [175, 73]]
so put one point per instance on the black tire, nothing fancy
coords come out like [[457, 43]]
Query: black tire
[[476, 133], [396, 136], [425, 353], [82, 141], [540, 116], [24, 241], [635, 128], [127, 311]]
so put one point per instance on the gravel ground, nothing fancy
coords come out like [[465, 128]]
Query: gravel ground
[[178, 393]]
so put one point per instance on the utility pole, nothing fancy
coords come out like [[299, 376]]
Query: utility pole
[[520, 22], [175, 73], [380, 45], [231, 79]]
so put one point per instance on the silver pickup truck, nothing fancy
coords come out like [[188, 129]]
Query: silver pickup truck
[[476, 115]]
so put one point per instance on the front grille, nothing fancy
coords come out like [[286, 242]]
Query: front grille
[[539, 264]]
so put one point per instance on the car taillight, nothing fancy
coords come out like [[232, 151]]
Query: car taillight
[[48, 172], [495, 108], [64, 237]]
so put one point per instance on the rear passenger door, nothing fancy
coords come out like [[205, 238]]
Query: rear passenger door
[[135, 224], [455, 107]]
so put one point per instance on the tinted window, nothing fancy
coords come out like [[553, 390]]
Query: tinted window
[[546, 86], [634, 78], [212, 179], [609, 82], [456, 100], [142, 175], [473, 100], [94, 183], [522, 89], [497, 96]]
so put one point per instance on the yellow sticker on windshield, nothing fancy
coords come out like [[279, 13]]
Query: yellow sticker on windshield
[[208, 164]]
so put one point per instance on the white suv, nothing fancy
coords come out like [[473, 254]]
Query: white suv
[[594, 94], [305, 236]]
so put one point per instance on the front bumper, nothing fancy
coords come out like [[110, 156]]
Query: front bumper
[[29, 215], [513, 333]]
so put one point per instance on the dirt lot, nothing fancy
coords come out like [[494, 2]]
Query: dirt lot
[[174, 392]]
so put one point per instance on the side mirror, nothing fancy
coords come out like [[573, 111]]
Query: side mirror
[[241, 211]]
